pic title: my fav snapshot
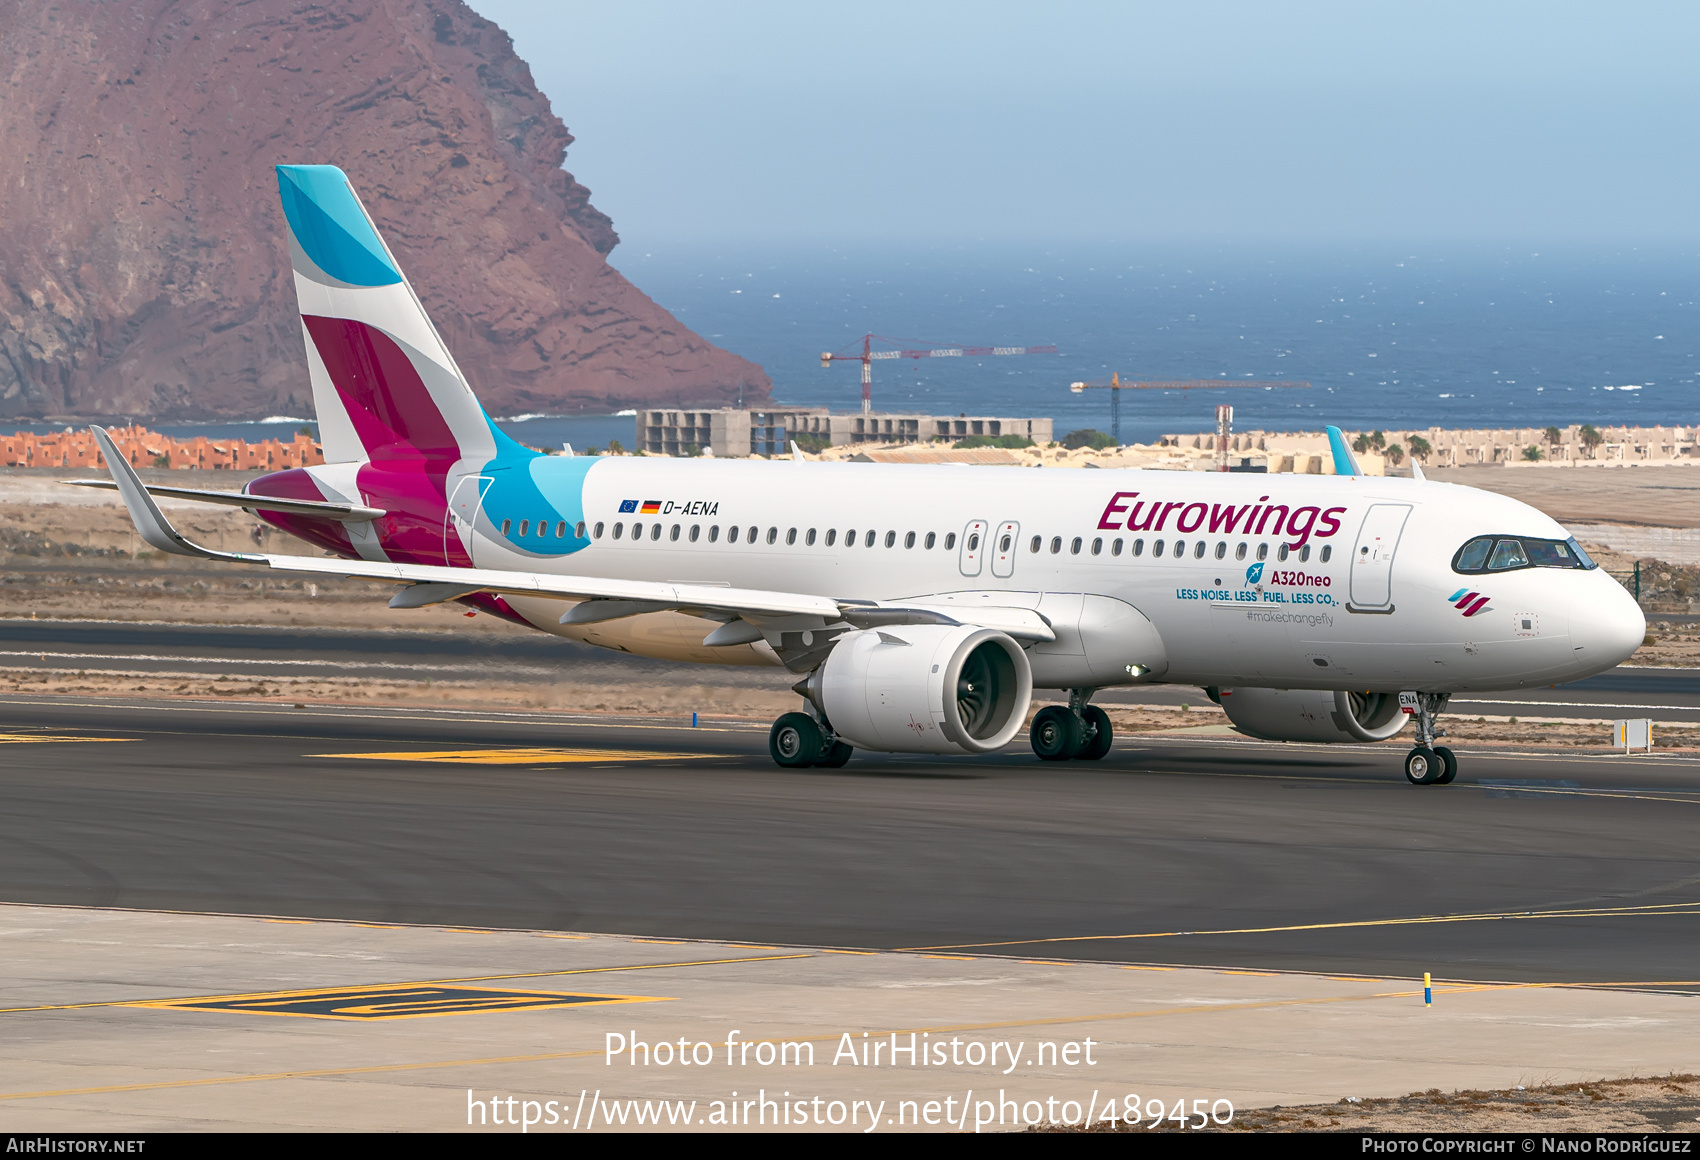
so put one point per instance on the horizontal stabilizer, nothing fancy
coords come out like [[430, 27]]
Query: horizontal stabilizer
[[323, 509]]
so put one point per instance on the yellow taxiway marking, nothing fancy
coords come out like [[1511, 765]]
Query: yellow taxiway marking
[[515, 756], [1655, 910], [1043, 1021], [391, 1001], [436, 982], [50, 738]]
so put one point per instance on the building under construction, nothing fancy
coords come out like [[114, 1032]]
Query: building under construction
[[730, 432]]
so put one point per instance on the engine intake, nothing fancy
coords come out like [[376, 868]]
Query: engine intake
[[924, 689], [1313, 715]]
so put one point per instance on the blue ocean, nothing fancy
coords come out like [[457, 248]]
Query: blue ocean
[[1387, 337]]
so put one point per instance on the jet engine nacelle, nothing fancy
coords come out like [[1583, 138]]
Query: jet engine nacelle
[[925, 689], [1313, 715]]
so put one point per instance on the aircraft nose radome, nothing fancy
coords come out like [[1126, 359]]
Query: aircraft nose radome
[[1607, 628]]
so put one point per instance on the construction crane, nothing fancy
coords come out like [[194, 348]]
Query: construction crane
[[933, 350], [1115, 384]]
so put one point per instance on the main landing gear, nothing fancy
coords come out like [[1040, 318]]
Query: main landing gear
[[1075, 730], [797, 741], [1428, 763]]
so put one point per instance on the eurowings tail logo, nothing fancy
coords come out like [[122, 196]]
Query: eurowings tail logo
[[1469, 603]]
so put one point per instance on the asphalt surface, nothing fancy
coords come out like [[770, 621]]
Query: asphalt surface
[[1177, 849], [117, 646]]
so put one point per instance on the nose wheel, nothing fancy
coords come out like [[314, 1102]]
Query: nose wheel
[[1428, 763]]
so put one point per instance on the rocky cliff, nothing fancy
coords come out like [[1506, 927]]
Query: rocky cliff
[[143, 263]]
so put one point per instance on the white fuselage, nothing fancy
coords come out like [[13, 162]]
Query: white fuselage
[[1362, 597]]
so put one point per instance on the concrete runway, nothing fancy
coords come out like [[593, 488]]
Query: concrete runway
[[254, 652], [1177, 849]]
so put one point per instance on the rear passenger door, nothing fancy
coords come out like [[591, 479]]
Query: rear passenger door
[[1003, 548]]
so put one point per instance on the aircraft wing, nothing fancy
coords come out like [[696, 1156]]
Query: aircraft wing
[[596, 598]]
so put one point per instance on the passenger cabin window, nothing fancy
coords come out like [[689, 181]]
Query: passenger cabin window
[[713, 533], [578, 532], [1263, 551], [1239, 552], [831, 536], [1157, 549], [1074, 546], [973, 542], [1198, 550], [810, 538], [890, 539], [524, 526], [1098, 546], [772, 535], [909, 541], [1116, 546], [1222, 550], [696, 531], [1304, 553], [1327, 552], [598, 530], [1037, 543], [932, 537], [506, 525], [1180, 549], [1138, 547], [655, 531], [1281, 552], [949, 541], [674, 534], [750, 536], [850, 538], [791, 536], [1056, 544]]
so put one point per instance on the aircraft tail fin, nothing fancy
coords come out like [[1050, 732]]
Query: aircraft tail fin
[[1345, 463], [384, 383]]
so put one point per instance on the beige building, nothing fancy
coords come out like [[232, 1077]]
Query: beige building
[[733, 432]]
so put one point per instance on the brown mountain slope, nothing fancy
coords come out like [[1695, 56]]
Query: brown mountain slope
[[143, 266]]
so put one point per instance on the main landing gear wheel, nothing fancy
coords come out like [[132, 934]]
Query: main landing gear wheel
[[835, 756], [795, 741], [1057, 733], [1099, 734], [1451, 761], [1423, 766]]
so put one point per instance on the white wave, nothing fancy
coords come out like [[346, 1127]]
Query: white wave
[[280, 419], [625, 414]]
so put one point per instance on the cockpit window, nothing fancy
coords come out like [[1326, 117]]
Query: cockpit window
[[1473, 556], [1508, 554], [1504, 553]]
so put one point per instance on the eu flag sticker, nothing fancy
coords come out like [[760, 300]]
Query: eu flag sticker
[[628, 505]]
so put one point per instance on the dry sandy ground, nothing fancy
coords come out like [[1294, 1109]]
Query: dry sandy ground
[[1666, 1104], [1665, 496]]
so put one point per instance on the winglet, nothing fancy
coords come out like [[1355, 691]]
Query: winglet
[[149, 520], [796, 452], [1345, 463]]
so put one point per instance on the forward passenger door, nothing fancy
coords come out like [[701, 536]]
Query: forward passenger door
[[973, 547]]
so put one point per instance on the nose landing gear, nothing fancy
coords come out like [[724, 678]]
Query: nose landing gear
[[1428, 763], [1076, 731]]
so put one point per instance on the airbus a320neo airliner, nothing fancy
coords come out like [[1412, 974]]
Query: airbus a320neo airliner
[[918, 607]]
